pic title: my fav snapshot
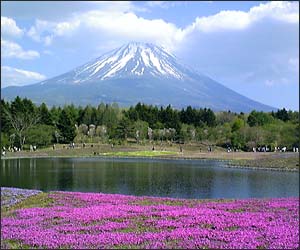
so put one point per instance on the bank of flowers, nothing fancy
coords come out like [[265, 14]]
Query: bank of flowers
[[12, 196], [89, 220]]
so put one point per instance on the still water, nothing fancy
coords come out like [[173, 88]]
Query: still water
[[147, 177]]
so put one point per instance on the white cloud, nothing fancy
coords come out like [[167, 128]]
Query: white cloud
[[10, 28], [40, 32], [238, 20], [13, 50], [119, 24], [45, 31], [18, 77], [65, 28], [223, 20], [131, 27], [280, 10]]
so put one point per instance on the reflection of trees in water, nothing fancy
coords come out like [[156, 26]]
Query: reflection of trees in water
[[65, 178], [161, 179], [149, 178]]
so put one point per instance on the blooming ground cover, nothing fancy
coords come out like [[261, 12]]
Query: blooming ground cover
[[12, 196], [96, 220]]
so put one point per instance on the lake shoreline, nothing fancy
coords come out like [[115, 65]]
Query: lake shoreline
[[239, 163]]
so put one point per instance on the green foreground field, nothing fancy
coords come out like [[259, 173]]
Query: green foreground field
[[268, 160]]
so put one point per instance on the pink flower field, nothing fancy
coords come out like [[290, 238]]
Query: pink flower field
[[90, 220]]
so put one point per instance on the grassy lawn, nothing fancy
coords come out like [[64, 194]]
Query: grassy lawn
[[140, 153], [283, 163]]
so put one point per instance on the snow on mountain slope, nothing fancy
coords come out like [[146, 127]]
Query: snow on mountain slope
[[136, 72], [131, 60]]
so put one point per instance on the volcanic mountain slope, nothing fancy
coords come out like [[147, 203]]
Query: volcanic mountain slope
[[136, 72]]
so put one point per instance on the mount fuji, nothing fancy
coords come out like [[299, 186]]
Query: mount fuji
[[136, 72]]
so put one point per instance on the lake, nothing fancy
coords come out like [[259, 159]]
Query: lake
[[147, 177]]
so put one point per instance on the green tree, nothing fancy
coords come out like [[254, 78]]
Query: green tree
[[4, 140], [88, 114], [259, 118], [123, 129], [66, 126], [209, 117], [110, 119], [5, 123], [22, 116], [40, 135], [293, 116], [55, 113], [140, 130], [282, 114], [237, 124], [224, 117], [223, 134], [72, 111], [289, 135], [100, 112], [45, 115]]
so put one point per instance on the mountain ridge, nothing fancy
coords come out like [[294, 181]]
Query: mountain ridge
[[136, 72]]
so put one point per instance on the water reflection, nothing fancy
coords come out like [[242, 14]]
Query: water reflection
[[185, 179]]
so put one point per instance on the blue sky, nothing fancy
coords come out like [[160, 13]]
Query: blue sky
[[250, 47]]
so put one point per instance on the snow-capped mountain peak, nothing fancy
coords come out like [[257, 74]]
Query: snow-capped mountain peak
[[131, 60], [136, 72]]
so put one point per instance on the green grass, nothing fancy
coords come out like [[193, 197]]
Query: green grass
[[139, 153], [14, 244], [289, 163]]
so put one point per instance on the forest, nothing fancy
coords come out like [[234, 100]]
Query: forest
[[24, 123]]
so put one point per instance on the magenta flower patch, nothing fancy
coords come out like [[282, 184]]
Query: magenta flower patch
[[88, 220]]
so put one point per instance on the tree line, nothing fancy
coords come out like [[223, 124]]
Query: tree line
[[23, 123]]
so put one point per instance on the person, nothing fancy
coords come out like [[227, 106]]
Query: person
[[53, 146], [180, 149]]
